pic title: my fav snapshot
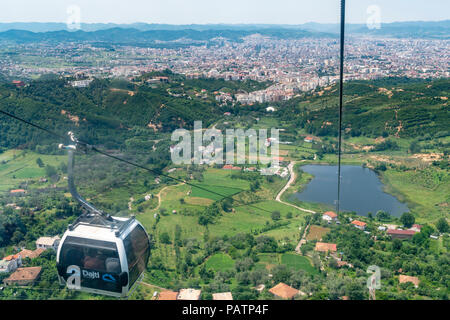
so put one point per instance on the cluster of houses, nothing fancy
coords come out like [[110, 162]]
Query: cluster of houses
[[14, 263], [280, 291], [391, 230]]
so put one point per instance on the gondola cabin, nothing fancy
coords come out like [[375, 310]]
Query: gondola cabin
[[103, 255]]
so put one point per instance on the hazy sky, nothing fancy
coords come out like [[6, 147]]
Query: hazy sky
[[220, 11]]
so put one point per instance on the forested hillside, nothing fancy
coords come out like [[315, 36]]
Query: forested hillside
[[403, 108]]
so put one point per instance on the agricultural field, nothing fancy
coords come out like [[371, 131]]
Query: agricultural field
[[19, 166], [219, 262], [298, 262], [291, 260], [316, 232], [426, 192]]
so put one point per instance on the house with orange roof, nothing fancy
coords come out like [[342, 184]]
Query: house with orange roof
[[400, 234], [284, 291], [23, 276], [329, 216], [25, 253], [168, 295], [325, 247], [10, 263], [17, 192], [359, 224]]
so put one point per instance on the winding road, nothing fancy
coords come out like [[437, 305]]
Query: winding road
[[288, 184]]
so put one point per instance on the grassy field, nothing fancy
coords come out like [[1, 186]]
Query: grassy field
[[218, 181], [218, 192], [220, 262], [291, 260], [298, 262], [426, 192], [17, 166], [249, 219]]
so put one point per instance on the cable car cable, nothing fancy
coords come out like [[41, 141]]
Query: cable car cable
[[341, 85], [93, 148]]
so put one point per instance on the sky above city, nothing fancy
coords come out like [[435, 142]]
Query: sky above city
[[221, 11]]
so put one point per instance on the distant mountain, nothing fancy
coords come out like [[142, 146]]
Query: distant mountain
[[413, 29], [416, 29], [135, 36]]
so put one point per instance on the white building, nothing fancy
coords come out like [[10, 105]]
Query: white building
[[10, 263], [48, 243], [189, 294], [329, 216]]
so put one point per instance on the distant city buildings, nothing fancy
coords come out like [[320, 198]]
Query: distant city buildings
[[290, 66]]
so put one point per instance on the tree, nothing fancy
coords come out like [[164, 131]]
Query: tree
[[177, 238], [397, 244], [356, 291], [276, 215], [442, 225], [244, 264], [50, 171], [414, 147], [383, 216], [407, 219], [281, 273], [164, 238], [39, 162], [227, 204], [333, 263]]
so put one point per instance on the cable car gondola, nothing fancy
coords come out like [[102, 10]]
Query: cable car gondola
[[100, 253]]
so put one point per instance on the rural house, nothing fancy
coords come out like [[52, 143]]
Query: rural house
[[48, 243], [401, 234], [168, 295], [284, 291], [25, 253], [325, 247], [23, 276], [189, 294], [10, 263], [329, 216], [17, 192], [359, 224], [222, 296]]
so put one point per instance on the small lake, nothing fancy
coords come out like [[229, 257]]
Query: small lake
[[361, 190]]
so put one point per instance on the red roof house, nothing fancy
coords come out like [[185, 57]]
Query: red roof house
[[284, 291], [359, 224], [329, 215], [401, 234], [325, 247]]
